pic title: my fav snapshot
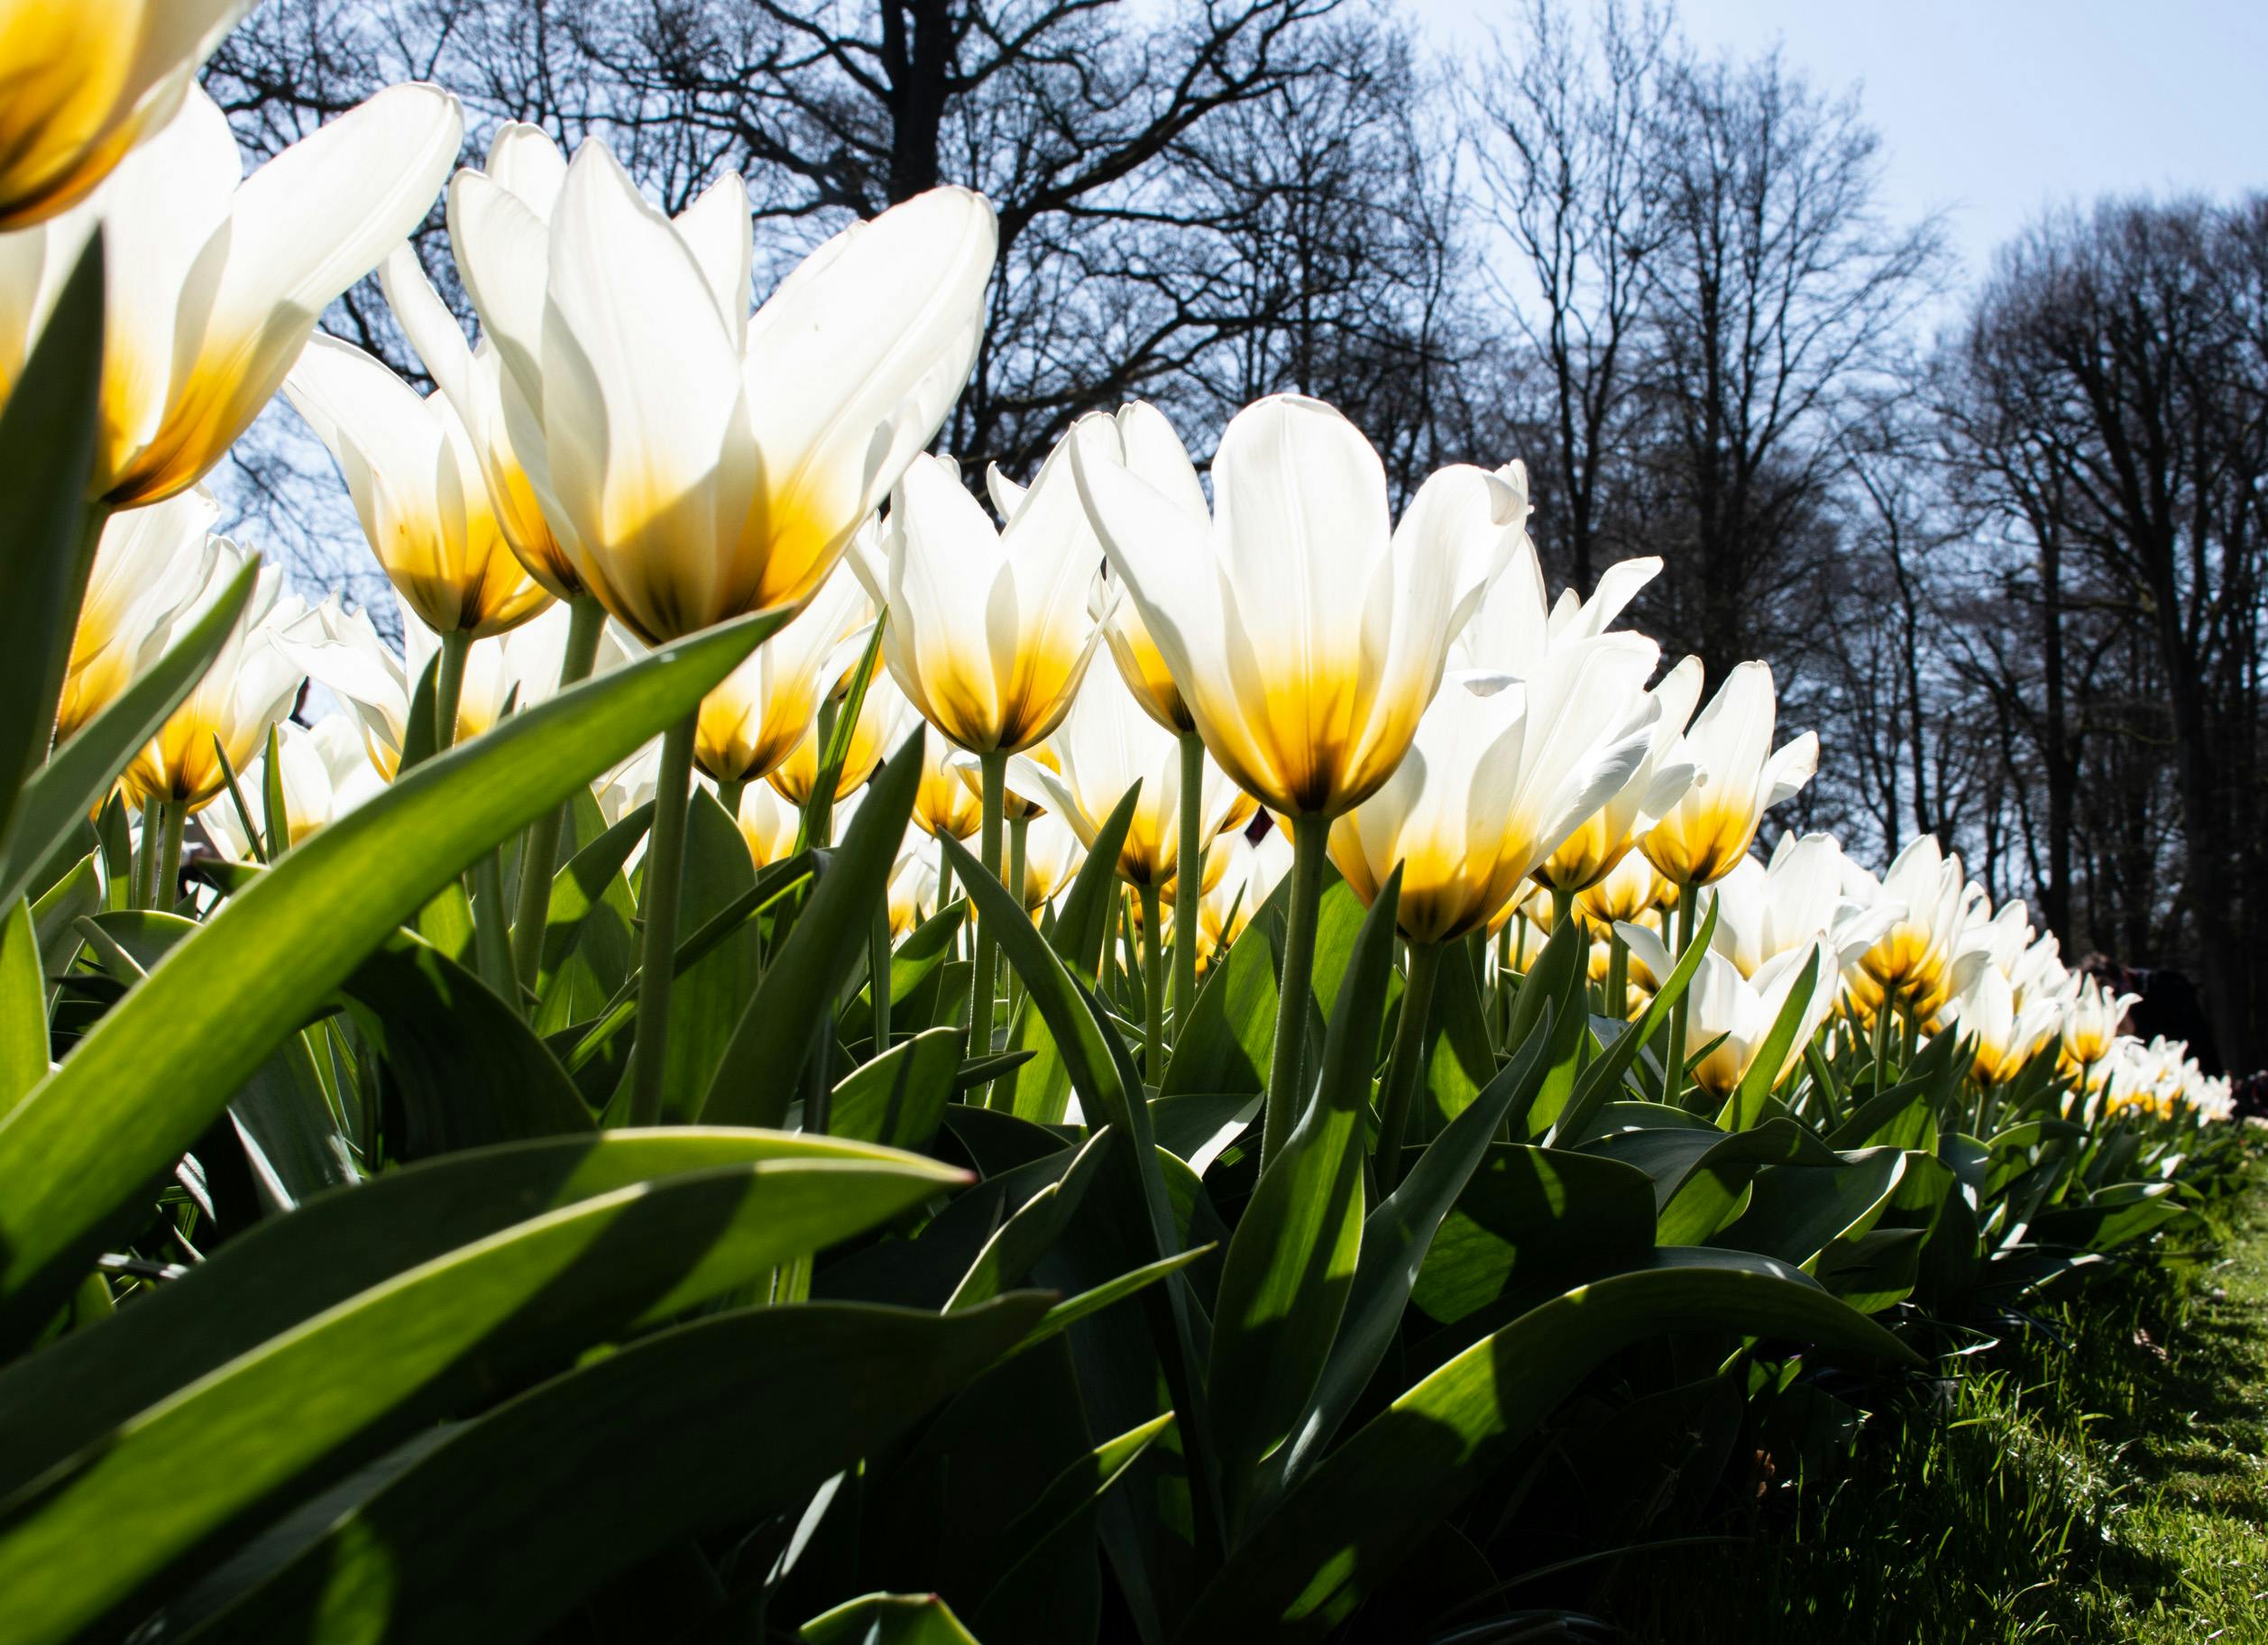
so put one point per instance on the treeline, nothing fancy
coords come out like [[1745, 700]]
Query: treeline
[[2000, 546]]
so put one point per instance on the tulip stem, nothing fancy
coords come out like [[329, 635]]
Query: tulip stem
[[1618, 978], [995, 791], [1153, 988], [1882, 1018], [1188, 891], [1018, 828], [665, 868], [448, 688], [1287, 1063], [729, 796], [1674, 1067], [878, 970], [586, 620], [166, 885], [1408, 1064]]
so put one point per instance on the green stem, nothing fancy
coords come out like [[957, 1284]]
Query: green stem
[[448, 688], [665, 868], [1018, 828], [996, 792], [172, 819], [141, 885], [1618, 978], [1188, 891], [1563, 906], [1153, 988], [878, 970], [1674, 1067], [492, 947], [1287, 1064], [1408, 1065], [729, 796], [1883, 1017], [586, 620], [819, 808]]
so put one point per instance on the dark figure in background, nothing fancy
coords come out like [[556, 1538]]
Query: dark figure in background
[[2167, 1004]]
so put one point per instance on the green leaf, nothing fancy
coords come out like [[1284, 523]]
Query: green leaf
[[490, 1535], [1057, 1528], [100, 1532], [2115, 1217], [143, 1086], [888, 1619], [1796, 1211], [286, 1117], [1581, 1118], [710, 994], [900, 1097], [1293, 1259], [81, 771], [1026, 1237], [1745, 1107], [926, 948], [23, 1008], [1084, 917], [1347, 1528], [56, 916], [755, 1074], [1396, 1239], [588, 944], [1224, 1046], [1701, 1176], [281, 1272], [1532, 1221], [49, 425]]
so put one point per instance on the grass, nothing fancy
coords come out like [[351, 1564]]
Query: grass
[[2104, 1478]]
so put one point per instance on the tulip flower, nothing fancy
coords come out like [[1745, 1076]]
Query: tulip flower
[[1052, 854], [912, 895], [1106, 746], [943, 802], [1738, 778], [1738, 1011], [2005, 1037], [215, 280], [1501, 771], [418, 491], [341, 651], [1249, 874], [1763, 913], [1305, 634], [1516, 626], [1605, 839], [251, 684], [324, 775], [522, 668], [987, 631], [148, 564], [750, 725], [1909, 968], [2090, 1025], [886, 719], [86, 81], [696, 464], [769, 827]]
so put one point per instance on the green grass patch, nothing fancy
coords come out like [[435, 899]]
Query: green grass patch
[[2104, 1477]]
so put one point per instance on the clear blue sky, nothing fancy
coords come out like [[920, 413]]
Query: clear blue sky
[[1994, 109]]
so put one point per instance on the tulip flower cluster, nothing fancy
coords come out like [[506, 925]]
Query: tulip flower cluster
[[650, 825]]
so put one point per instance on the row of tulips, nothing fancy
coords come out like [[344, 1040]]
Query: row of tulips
[[571, 1135]]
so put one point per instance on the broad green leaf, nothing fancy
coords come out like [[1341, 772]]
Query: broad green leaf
[[49, 425], [56, 916], [1875, 1271], [1293, 1257], [1796, 1211], [1599, 1083], [888, 1619], [1351, 1523], [89, 1539], [2115, 1217], [1745, 1107], [1026, 1235], [1058, 1527], [588, 943], [142, 1087], [23, 1008], [900, 1097], [1701, 1177], [1083, 918], [710, 994], [1459, 1061], [491, 1535], [1224, 1045], [81, 771], [1533, 1220], [280, 1274], [284, 1114], [756, 1073], [1396, 1239]]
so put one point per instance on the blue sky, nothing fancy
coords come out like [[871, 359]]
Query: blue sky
[[1995, 109]]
